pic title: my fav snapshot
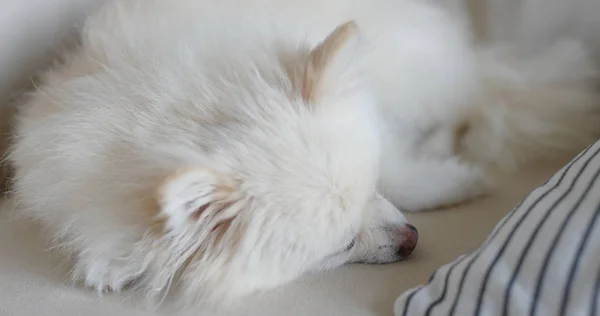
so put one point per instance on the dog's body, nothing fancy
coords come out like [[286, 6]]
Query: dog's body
[[234, 145]]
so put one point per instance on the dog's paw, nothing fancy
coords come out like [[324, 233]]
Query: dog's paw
[[432, 185], [105, 277], [466, 198], [463, 193]]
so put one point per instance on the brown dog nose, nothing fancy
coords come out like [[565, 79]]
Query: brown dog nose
[[410, 236]]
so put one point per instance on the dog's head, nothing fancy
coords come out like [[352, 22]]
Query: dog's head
[[298, 192]]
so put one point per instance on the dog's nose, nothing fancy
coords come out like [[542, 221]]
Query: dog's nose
[[410, 236]]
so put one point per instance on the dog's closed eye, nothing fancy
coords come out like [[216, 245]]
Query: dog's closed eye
[[345, 249], [350, 245]]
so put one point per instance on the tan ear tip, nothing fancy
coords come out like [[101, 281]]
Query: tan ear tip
[[351, 24], [349, 27]]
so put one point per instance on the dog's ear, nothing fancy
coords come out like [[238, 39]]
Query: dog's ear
[[333, 64], [196, 196]]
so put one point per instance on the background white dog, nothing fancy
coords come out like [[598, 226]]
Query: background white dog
[[231, 146]]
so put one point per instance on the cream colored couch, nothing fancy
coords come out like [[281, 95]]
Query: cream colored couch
[[32, 282]]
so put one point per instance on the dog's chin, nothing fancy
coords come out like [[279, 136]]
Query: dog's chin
[[392, 258]]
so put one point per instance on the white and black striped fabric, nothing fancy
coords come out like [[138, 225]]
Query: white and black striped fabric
[[542, 259]]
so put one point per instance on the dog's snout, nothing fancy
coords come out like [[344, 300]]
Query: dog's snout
[[410, 236]]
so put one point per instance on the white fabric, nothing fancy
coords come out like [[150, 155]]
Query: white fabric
[[541, 259], [534, 23]]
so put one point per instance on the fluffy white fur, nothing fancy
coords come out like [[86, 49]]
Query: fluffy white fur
[[230, 146]]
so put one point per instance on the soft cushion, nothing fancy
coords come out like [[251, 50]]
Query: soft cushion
[[541, 259]]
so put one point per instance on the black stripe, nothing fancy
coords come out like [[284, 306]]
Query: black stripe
[[474, 258], [431, 278], [575, 264], [525, 250], [596, 293], [540, 278], [410, 296], [488, 272], [509, 216], [408, 299], [446, 280]]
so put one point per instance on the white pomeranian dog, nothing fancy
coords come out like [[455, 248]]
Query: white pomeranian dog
[[229, 146]]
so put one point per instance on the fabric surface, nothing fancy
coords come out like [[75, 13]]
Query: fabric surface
[[541, 259]]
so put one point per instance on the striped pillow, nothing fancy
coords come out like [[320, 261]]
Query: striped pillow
[[542, 259]]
